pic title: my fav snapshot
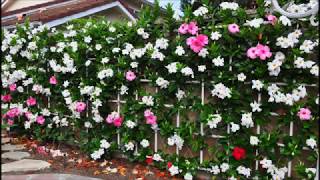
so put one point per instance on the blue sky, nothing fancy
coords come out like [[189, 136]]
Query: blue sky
[[176, 3]]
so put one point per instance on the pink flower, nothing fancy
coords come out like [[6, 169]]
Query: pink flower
[[130, 76], [13, 112], [28, 115], [117, 121], [197, 43], [110, 118], [80, 106], [10, 122], [252, 52], [13, 87], [151, 120], [150, 117], [31, 101], [183, 29], [53, 80], [42, 150], [193, 28], [233, 28], [148, 113], [6, 98], [304, 114], [40, 120], [272, 19], [263, 52]]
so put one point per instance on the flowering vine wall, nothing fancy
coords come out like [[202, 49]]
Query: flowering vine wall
[[218, 90]]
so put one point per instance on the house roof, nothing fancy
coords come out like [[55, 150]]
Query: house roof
[[58, 9]]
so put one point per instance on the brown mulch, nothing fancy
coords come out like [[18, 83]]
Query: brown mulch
[[80, 164]]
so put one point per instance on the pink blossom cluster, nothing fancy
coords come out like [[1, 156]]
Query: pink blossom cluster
[[80, 106], [197, 43], [191, 28], [150, 117], [115, 119], [261, 51], [31, 101], [304, 114], [12, 113], [6, 98]]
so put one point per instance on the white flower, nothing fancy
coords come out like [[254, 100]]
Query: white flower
[[215, 36], [201, 68], [105, 73], [256, 22], [200, 11], [104, 144], [174, 170], [307, 46], [254, 140], [32, 45], [255, 107], [224, 167], [257, 84], [221, 91], [311, 142], [140, 31], [124, 90], [104, 60], [285, 21], [218, 61], [161, 43], [157, 157], [179, 51], [180, 94], [176, 140], [232, 178], [215, 169], [87, 39], [147, 100], [98, 47], [171, 141], [129, 146], [112, 29], [229, 5], [134, 64], [246, 120], [162, 83], [234, 127], [266, 164], [311, 170], [213, 120], [87, 124], [244, 171], [203, 52], [187, 72], [241, 77], [144, 143], [172, 67], [188, 176], [130, 124]]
